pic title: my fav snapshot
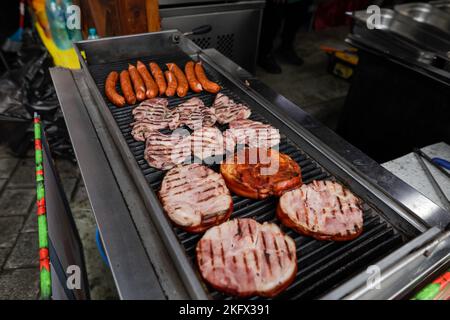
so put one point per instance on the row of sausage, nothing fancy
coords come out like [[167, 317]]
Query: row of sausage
[[138, 83]]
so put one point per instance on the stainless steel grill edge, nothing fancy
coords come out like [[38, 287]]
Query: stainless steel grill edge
[[401, 222]]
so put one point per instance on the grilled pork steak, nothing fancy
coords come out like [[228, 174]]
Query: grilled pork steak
[[324, 210], [260, 173], [195, 115], [166, 151], [244, 258], [195, 197], [151, 115], [227, 110], [254, 134], [207, 142]]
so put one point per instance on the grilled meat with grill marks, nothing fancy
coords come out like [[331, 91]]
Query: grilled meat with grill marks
[[209, 141], [244, 258], [227, 110], [195, 115], [324, 210], [195, 197], [254, 134], [152, 115], [260, 173], [166, 151]]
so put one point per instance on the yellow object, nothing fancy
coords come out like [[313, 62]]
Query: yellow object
[[62, 58], [342, 70], [41, 16], [350, 58]]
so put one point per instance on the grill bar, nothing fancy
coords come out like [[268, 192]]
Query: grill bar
[[321, 265]]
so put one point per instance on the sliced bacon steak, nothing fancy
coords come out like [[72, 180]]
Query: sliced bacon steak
[[195, 197], [166, 151], [228, 110], [324, 210], [151, 115], [254, 134], [244, 258], [194, 114], [209, 142]]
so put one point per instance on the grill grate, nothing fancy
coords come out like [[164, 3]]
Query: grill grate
[[322, 265]]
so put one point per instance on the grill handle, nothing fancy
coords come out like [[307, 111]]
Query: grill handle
[[196, 31], [199, 30]]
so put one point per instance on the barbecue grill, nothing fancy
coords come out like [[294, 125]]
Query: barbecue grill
[[150, 258]]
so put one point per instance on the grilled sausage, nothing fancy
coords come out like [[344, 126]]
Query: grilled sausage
[[159, 77], [207, 85], [172, 83], [183, 85], [194, 84], [110, 90], [138, 83], [127, 89], [150, 84]]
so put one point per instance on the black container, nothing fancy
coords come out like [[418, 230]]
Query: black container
[[392, 107]]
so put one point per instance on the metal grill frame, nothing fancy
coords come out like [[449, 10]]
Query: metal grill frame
[[403, 221]]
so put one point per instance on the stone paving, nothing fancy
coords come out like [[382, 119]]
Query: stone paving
[[19, 271]]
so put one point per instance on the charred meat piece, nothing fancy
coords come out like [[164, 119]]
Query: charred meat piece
[[166, 151], [324, 210], [195, 115], [254, 134], [260, 173], [227, 110], [244, 258], [195, 197]]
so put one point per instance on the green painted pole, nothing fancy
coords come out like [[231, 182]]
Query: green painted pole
[[44, 259]]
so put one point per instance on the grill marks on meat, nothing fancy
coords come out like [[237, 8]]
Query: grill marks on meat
[[260, 173], [195, 115], [324, 210], [254, 134], [152, 115], [227, 110], [208, 142], [195, 197], [166, 151], [244, 258]]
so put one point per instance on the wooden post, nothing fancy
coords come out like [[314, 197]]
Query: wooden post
[[153, 19], [120, 17]]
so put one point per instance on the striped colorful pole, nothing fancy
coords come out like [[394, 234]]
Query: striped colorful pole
[[44, 259]]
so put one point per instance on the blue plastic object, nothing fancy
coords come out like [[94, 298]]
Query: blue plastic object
[[57, 21], [441, 162], [101, 249], [92, 34]]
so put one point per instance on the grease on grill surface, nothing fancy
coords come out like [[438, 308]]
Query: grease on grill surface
[[321, 265]]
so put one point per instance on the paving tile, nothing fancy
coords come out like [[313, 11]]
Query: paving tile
[[66, 168], [80, 200], [7, 166], [16, 202], [25, 253], [3, 255], [31, 222], [10, 227], [20, 284], [69, 185], [4, 151], [24, 176]]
